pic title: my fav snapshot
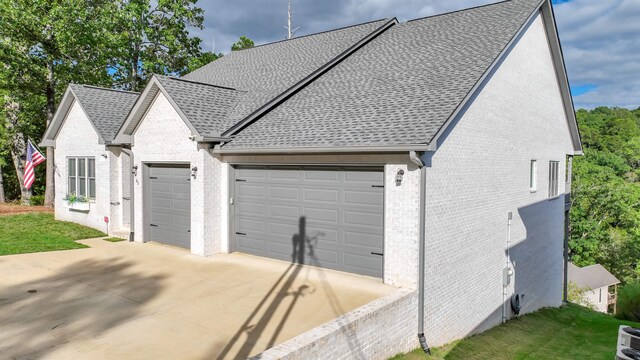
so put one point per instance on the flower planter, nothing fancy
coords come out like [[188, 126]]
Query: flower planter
[[78, 206]]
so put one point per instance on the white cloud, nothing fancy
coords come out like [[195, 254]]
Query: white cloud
[[601, 43]]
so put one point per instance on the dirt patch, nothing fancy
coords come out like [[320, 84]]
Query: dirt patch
[[13, 209]]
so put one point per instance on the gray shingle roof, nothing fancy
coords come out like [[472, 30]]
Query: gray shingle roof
[[399, 89], [266, 71], [106, 108], [205, 106], [592, 276]]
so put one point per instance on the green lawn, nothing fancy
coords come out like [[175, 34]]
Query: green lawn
[[36, 232], [570, 332], [113, 239]]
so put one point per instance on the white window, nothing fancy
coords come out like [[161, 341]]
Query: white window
[[82, 176], [533, 176], [553, 178]]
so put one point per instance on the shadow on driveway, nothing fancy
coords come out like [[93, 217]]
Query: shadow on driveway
[[76, 302]]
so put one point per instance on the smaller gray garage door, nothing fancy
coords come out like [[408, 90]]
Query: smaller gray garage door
[[326, 217], [170, 205]]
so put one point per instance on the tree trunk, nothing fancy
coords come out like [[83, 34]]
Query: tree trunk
[[49, 193], [18, 147], [2, 198], [134, 67]]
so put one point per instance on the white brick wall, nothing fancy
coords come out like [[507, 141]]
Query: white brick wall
[[78, 138], [479, 174], [162, 136], [378, 330]]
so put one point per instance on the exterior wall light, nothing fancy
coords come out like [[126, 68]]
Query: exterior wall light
[[399, 177], [134, 170], [194, 171]]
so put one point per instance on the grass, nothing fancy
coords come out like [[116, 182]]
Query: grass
[[37, 232], [569, 332], [113, 239]]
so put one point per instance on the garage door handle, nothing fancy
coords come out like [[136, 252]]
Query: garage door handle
[[154, 225], [377, 253], [239, 233], [377, 186]]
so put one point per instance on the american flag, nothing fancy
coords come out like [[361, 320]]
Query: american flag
[[34, 157]]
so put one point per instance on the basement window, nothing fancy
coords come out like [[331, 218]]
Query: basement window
[[553, 178], [82, 176]]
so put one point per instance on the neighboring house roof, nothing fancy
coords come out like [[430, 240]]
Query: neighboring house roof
[[105, 108], [592, 276]]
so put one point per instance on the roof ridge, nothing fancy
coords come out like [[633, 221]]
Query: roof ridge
[[311, 77], [107, 89], [317, 33], [199, 82], [459, 10]]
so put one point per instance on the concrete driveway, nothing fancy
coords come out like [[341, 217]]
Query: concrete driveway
[[145, 301]]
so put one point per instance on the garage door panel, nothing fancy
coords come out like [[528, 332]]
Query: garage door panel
[[322, 215], [322, 195], [251, 191], [290, 193], [360, 238], [286, 229], [249, 224], [343, 213], [365, 198], [359, 218], [251, 207], [252, 174], [314, 176], [363, 177], [284, 211], [170, 205]]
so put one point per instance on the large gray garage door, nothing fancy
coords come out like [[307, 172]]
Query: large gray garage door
[[170, 205], [331, 218]]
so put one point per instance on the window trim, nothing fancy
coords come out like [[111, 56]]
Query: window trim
[[78, 179], [533, 175]]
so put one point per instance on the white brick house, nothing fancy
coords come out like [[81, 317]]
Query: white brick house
[[364, 149]]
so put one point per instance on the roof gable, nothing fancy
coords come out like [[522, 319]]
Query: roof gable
[[399, 89], [105, 108], [203, 107]]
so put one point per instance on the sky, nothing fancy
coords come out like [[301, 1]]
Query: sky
[[600, 38]]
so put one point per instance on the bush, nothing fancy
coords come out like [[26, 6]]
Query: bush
[[628, 306], [36, 200]]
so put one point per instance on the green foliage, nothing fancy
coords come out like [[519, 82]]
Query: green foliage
[[243, 43], [39, 232], [202, 60], [628, 306], [36, 200], [605, 213], [153, 38], [73, 198], [577, 295]]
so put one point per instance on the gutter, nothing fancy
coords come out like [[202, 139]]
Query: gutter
[[131, 193], [330, 149], [421, 252]]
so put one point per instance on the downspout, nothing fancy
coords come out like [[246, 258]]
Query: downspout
[[421, 251], [131, 192]]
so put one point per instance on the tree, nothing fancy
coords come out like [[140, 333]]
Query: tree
[[44, 45], [155, 39], [605, 212], [197, 62], [243, 43]]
